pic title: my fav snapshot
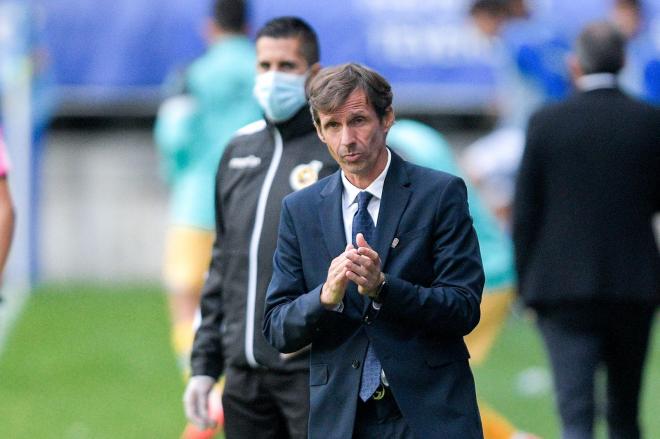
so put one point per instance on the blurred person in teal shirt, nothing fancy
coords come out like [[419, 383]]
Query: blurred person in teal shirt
[[191, 132], [421, 144]]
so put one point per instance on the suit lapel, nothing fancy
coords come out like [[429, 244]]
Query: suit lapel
[[332, 227], [396, 193], [331, 217]]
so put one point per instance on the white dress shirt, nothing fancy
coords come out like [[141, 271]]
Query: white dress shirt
[[595, 81], [349, 203]]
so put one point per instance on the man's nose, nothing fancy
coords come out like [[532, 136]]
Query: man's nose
[[347, 136]]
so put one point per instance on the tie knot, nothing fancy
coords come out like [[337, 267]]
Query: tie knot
[[363, 199]]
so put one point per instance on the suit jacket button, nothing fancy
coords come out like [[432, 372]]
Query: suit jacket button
[[366, 320], [356, 364]]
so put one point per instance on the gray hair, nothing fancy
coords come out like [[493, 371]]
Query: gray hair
[[600, 48], [332, 86]]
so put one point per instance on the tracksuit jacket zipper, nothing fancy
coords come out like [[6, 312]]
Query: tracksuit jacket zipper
[[253, 256]]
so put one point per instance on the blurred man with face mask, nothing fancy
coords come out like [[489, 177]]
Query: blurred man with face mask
[[266, 393]]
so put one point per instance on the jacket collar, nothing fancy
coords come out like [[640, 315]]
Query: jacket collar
[[299, 125]]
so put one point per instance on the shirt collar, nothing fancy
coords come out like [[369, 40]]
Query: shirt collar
[[375, 188], [596, 80]]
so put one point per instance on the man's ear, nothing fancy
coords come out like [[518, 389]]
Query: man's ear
[[314, 69], [574, 67], [388, 118], [210, 31]]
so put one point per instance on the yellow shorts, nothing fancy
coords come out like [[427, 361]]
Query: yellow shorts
[[495, 307], [187, 258]]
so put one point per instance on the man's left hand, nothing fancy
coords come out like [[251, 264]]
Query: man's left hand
[[364, 268]]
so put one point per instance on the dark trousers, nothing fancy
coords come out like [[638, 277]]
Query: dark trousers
[[265, 404], [380, 419], [582, 338]]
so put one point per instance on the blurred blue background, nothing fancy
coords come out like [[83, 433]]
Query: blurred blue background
[[120, 52]]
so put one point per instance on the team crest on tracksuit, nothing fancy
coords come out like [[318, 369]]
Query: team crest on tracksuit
[[305, 174]]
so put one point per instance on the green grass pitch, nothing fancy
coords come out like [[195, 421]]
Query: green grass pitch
[[90, 361]]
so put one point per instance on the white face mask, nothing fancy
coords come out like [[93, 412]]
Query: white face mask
[[280, 95]]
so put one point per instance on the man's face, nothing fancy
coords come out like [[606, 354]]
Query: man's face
[[280, 55], [356, 138]]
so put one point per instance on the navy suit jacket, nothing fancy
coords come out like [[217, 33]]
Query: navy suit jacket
[[430, 256], [587, 191]]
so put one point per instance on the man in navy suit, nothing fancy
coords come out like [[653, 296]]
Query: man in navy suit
[[378, 268]]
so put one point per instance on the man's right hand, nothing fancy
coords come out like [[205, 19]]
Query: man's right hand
[[196, 401], [334, 287]]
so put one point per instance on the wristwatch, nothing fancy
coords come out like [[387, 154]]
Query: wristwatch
[[383, 284]]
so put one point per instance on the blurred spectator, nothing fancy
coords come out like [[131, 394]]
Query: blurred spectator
[[425, 146], [586, 255], [530, 70], [640, 75], [6, 207], [266, 394], [191, 132]]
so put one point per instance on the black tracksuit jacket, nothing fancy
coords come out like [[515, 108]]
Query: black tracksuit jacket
[[262, 164]]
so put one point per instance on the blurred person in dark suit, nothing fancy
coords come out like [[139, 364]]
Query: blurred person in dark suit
[[587, 260]]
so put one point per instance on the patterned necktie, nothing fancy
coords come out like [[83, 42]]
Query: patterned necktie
[[362, 223]]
